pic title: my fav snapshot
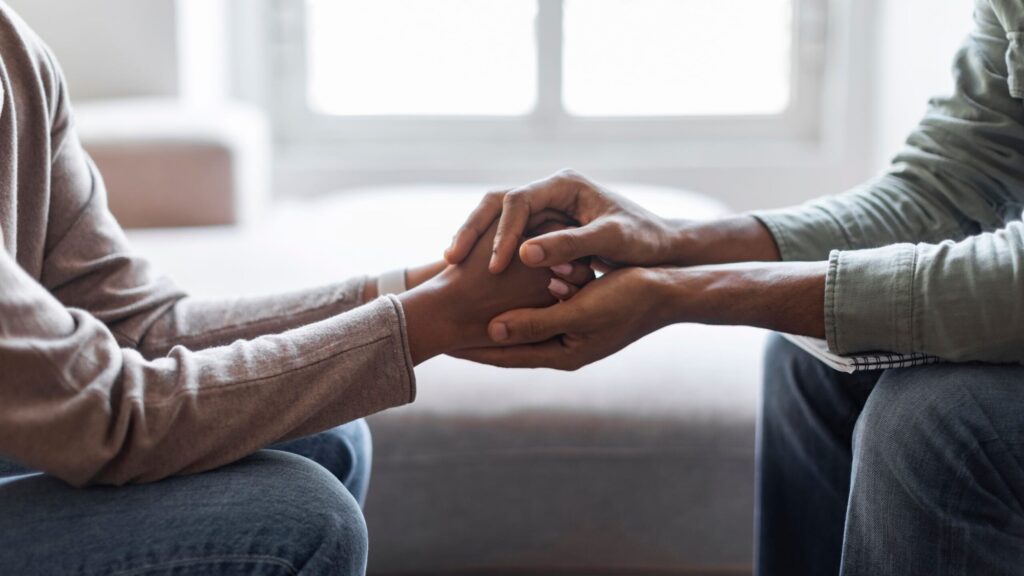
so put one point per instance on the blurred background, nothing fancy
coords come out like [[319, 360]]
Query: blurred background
[[261, 145], [756, 102]]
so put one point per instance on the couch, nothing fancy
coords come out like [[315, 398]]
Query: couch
[[639, 464]]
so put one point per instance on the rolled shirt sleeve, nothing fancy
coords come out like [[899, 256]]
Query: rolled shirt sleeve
[[928, 257], [961, 301]]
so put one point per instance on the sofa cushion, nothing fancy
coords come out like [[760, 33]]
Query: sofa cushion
[[168, 164]]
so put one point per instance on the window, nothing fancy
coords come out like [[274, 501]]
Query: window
[[421, 84], [609, 58], [676, 57], [416, 57]]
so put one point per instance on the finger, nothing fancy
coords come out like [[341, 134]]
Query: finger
[[567, 245], [549, 354], [576, 273], [559, 192], [515, 214], [528, 325], [476, 224], [561, 289], [548, 221]]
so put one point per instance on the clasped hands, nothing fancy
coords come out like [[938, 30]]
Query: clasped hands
[[521, 270], [569, 227], [519, 289]]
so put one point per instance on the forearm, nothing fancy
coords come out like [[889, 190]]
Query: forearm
[[783, 296], [77, 405], [198, 323], [723, 241]]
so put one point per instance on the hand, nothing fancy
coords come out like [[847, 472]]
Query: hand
[[626, 304], [451, 310], [605, 316], [611, 227]]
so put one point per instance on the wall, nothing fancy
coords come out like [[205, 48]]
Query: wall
[[109, 48], [916, 42]]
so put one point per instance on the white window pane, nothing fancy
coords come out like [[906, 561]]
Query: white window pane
[[676, 57], [460, 57]]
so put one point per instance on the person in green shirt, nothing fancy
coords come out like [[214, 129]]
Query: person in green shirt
[[902, 471]]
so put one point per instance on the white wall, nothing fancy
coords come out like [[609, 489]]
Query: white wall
[[916, 42], [109, 48]]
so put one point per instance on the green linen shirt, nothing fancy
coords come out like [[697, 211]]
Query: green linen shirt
[[929, 257]]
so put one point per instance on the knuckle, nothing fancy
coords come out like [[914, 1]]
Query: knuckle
[[494, 196], [514, 199], [532, 328], [614, 231], [571, 243], [569, 175]]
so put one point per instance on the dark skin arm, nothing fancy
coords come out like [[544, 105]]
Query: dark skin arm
[[626, 304]]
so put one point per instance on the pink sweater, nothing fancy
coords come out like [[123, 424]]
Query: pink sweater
[[108, 372]]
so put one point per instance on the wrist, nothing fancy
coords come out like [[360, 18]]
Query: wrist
[[783, 296], [660, 287], [430, 324], [681, 239], [733, 239]]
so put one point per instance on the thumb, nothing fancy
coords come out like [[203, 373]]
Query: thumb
[[567, 245], [527, 325]]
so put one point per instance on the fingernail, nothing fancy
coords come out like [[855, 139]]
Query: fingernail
[[499, 332], [563, 269], [533, 254], [558, 287], [494, 261]]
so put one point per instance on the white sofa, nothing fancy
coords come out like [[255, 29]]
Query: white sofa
[[642, 463]]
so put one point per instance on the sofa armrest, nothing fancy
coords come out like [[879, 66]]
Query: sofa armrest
[[166, 164]]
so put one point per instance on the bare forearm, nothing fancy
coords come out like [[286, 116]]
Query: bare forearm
[[783, 296], [732, 239]]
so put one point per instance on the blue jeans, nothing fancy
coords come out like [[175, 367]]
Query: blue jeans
[[294, 509], [912, 471]]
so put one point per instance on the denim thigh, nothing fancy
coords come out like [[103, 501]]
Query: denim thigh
[[268, 514]]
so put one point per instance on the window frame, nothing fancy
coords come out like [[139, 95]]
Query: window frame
[[549, 124]]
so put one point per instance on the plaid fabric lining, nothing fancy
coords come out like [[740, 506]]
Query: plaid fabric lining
[[878, 361], [885, 360]]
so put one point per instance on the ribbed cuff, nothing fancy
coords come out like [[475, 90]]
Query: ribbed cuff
[[869, 300]]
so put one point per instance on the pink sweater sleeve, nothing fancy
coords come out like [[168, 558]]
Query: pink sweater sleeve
[[75, 404]]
